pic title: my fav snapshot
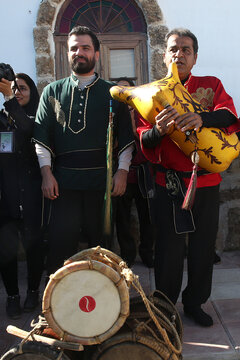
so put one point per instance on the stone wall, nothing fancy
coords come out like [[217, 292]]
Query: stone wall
[[229, 219], [44, 43], [156, 34]]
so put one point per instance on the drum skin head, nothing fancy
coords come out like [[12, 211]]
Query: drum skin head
[[86, 302]]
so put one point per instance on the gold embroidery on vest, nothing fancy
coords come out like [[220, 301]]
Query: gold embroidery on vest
[[58, 111], [204, 96]]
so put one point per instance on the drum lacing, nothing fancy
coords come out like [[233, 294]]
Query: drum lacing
[[120, 282], [134, 280], [148, 304], [98, 251], [90, 264], [37, 329], [129, 275], [142, 326], [97, 340], [159, 346], [164, 302], [170, 325], [123, 265]]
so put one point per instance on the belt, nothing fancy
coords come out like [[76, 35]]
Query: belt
[[82, 159], [182, 174]]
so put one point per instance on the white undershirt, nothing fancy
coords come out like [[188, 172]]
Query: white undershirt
[[83, 81]]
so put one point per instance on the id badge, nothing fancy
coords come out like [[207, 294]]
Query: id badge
[[7, 142]]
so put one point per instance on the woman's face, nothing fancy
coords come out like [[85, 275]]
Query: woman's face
[[22, 96]]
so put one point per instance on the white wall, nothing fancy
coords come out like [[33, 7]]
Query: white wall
[[18, 18], [217, 27]]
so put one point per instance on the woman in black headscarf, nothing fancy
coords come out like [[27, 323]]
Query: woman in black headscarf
[[21, 197]]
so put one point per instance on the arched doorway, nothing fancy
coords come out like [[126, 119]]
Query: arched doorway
[[47, 29], [121, 29]]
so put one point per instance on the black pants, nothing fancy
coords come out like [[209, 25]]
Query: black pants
[[170, 247], [123, 224], [73, 212], [10, 234]]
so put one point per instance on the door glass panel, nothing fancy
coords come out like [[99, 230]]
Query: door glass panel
[[122, 63], [102, 16]]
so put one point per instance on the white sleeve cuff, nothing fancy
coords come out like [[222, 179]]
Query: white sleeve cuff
[[44, 156], [125, 158]]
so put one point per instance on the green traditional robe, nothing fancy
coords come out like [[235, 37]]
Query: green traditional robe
[[72, 124]]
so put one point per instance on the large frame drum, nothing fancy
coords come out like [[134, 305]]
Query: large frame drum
[[128, 347], [86, 301], [34, 350]]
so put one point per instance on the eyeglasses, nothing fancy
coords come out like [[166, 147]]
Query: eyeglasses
[[20, 88]]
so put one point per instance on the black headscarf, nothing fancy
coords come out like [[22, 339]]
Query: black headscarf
[[31, 107]]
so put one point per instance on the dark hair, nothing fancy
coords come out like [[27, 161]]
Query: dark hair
[[84, 30], [31, 107], [125, 78], [183, 32]]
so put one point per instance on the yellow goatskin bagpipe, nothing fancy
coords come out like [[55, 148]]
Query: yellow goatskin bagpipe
[[215, 149]]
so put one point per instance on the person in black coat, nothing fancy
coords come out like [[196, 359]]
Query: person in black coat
[[140, 188], [21, 197]]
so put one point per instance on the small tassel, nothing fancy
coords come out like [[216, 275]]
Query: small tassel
[[191, 191]]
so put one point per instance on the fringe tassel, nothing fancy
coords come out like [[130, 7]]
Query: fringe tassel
[[107, 226], [191, 191]]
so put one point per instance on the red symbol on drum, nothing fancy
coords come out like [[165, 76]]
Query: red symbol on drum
[[87, 303]]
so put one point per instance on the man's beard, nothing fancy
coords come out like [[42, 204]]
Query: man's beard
[[82, 67]]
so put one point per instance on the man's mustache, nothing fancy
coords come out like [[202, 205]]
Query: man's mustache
[[80, 57]]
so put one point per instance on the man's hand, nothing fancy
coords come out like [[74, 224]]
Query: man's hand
[[5, 87], [119, 182], [49, 183], [165, 119], [188, 121]]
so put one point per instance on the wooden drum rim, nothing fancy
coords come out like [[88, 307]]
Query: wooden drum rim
[[95, 254], [113, 275]]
